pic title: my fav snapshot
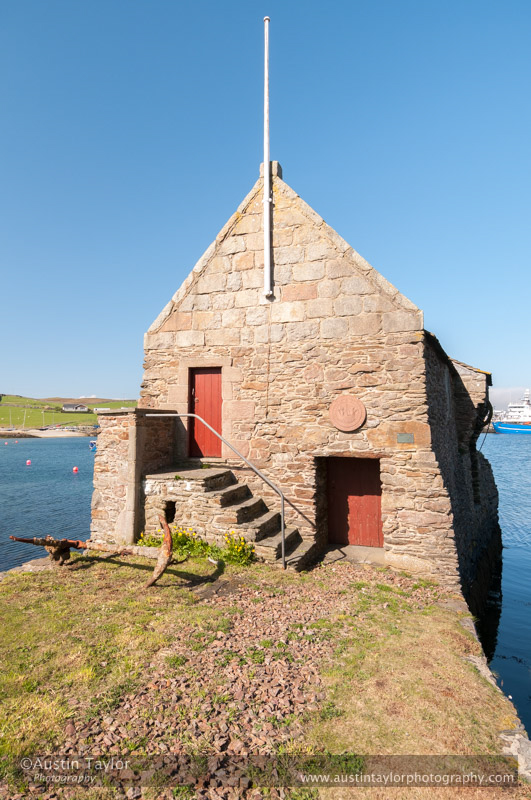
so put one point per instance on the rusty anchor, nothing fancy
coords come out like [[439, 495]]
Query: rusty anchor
[[59, 550]]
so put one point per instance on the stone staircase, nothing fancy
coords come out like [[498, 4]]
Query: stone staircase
[[210, 500]]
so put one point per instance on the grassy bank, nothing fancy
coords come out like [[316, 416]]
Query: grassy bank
[[17, 411], [344, 658]]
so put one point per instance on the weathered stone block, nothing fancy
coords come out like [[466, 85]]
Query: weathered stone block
[[385, 435], [207, 284], [222, 301], [347, 306], [298, 331], [376, 302], [256, 316], [231, 245], [287, 218], [230, 336], [334, 328], [219, 264], [287, 312], [402, 321], [233, 318], [308, 272], [319, 308], [269, 333], [255, 241], [177, 321], [250, 223], [159, 341], [287, 255], [365, 324], [232, 374], [205, 320], [252, 279], [235, 410], [234, 281], [246, 298], [339, 268], [328, 288], [356, 285], [243, 261], [195, 302], [305, 291], [320, 251], [283, 238], [282, 274]]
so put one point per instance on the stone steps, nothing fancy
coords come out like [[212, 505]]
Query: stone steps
[[209, 498], [303, 556], [270, 549], [244, 511], [265, 525], [234, 493]]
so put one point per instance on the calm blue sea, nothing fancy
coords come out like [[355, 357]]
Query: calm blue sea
[[47, 498], [510, 457]]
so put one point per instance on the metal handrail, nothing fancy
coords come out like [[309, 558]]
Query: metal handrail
[[249, 464]]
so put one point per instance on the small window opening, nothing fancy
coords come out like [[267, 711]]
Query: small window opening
[[169, 511]]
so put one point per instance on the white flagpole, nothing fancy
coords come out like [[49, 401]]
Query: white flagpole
[[268, 291]]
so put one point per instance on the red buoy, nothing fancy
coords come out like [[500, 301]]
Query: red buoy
[[5, 442], [28, 462], [75, 469]]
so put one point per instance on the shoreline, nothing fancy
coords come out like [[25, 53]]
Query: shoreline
[[35, 433]]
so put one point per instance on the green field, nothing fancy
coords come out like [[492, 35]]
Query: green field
[[28, 412]]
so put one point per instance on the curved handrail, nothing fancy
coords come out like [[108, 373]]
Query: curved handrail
[[260, 474]]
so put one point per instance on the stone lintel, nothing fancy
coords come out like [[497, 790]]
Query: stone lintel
[[138, 412]]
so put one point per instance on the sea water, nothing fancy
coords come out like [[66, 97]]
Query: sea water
[[48, 498], [510, 457], [45, 498]]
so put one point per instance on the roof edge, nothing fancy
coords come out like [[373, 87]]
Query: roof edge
[[432, 340], [205, 258]]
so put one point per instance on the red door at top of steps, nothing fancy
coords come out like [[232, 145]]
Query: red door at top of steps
[[354, 501], [205, 400]]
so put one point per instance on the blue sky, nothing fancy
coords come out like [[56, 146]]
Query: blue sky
[[132, 130]]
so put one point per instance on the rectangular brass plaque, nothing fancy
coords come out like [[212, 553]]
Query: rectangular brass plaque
[[405, 437]]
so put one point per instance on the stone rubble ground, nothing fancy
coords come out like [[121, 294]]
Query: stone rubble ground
[[239, 692]]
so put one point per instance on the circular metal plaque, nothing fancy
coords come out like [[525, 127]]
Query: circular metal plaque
[[347, 413]]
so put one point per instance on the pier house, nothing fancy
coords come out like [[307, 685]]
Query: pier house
[[330, 387]]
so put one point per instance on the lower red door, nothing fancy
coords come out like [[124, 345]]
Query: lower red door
[[354, 501], [205, 400]]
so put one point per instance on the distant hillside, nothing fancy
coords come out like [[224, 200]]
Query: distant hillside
[[30, 412], [90, 401], [35, 402]]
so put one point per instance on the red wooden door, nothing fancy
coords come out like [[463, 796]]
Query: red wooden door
[[205, 400], [354, 501]]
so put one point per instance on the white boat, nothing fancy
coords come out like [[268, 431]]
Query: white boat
[[517, 418]]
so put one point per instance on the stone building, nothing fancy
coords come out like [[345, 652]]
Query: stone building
[[331, 387]]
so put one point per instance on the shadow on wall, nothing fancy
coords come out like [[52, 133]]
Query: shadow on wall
[[456, 424]]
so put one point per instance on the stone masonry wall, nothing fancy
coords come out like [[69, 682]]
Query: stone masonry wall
[[128, 442], [453, 413], [111, 471], [334, 326]]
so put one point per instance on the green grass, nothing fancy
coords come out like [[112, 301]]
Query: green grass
[[397, 682], [32, 412], [34, 418], [59, 662]]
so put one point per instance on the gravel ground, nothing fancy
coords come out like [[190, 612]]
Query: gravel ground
[[248, 688]]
